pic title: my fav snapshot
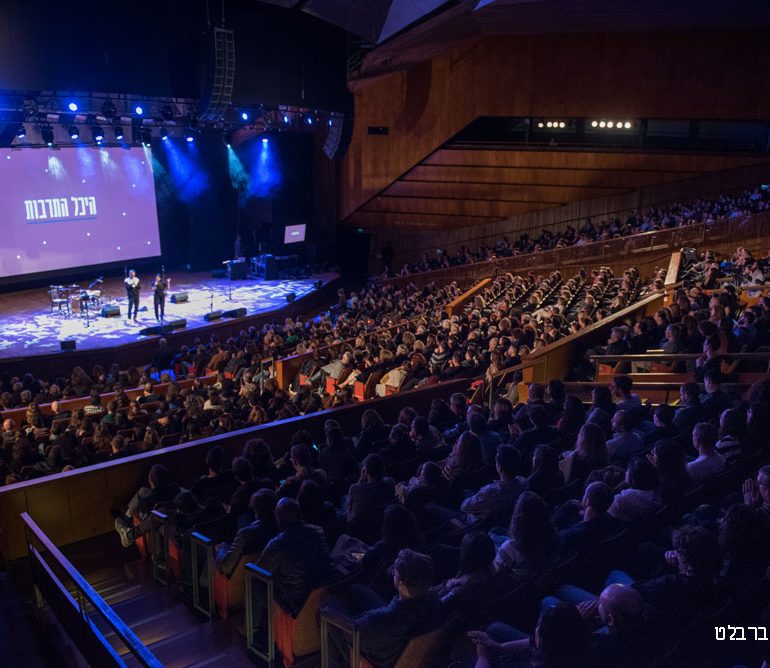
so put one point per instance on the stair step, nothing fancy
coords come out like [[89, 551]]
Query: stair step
[[154, 628]]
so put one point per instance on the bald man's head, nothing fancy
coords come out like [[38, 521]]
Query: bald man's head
[[620, 606], [287, 513]]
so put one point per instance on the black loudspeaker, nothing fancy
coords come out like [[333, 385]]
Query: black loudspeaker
[[67, 346], [338, 139], [110, 311], [180, 323], [214, 315], [291, 297], [237, 271], [180, 298], [235, 313], [150, 331]]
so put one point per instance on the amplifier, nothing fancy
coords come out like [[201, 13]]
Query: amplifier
[[110, 311], [180, 298]]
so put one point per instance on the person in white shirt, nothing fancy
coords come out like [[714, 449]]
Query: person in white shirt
[[642, 496], [132, 289], [708, 462]]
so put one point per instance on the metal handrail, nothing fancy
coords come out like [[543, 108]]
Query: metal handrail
[[198, 540], [159, 534], [87, 592], [254, 574], [347, 626]]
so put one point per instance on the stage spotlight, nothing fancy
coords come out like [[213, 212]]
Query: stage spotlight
[[72, 106], [602, 124], [627, 125], [119, 133], [74, 132], [21, 132], [548, 124], [245, 116], [329, 122], [286, 118], [189, 134], [146, 136], [108, 109], [265, 141], [97, 132], [164, 134], [562, 124], [610, 124], [540, 124], [46, 132], [594, 124], [139, 110], [309, 120]]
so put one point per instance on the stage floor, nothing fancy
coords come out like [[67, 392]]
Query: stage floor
[[27, 326]]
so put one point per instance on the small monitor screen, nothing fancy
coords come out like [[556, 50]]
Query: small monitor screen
[[294, 233]]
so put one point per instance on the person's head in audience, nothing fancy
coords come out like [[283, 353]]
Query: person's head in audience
[[561, 637], [507, 462], [215, 460], [371, 419], [538, 416], [535, 393], [262, 504], [257, 451], [597, 499], [704, 438], [373, 467], [531, 530], [689, 393], [663, 416], [641, 474], [430, 474], [555, 391], [602, 398], [712, 380], [412, 574], [591, 445], [620, 608], [159, 476], [743, 533], [467, 451], [458, 404], [477, 552], [622, 422], [545, 463], [243, 471], [697, 552], [399, 527], [288, 513], [300, 457], [311, 502], [621, 387], [406, 415], [477, 423]]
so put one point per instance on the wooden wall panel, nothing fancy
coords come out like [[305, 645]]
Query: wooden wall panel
[[677, 74], [496, 191], [451, 207]]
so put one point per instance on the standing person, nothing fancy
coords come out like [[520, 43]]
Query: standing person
[[132, 289], [159, 287]]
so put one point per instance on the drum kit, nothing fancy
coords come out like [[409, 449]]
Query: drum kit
[[75, 300]]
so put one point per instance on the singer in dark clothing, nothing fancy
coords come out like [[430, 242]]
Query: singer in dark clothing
[[132, 289], [159, 287]]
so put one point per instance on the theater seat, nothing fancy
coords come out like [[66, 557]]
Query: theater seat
[[425, 651], [229, 592], [299, 636]]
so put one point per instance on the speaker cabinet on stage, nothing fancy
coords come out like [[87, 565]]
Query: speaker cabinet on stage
[[150, 331], [214, 315], [167, 328], [180, 298], [235, 313], [110, 311], [68, 346]]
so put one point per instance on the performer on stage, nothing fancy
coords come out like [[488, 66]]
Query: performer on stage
[[132, 289], [159, 287]]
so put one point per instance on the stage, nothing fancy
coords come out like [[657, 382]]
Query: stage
[[28, 326]]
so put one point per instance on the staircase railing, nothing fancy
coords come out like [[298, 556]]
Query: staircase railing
[[72, 609], [202, 574]]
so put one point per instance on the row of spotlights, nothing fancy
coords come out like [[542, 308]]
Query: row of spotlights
[[620, 125], [138, 109], [548, 124]]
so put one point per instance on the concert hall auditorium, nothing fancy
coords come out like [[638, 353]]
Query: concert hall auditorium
[[385, 334]]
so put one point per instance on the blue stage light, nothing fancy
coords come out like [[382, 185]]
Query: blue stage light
[[74, 132], [139, 111], [265, 141], [330, 122], [72, 106], [21, 131], [285, 118], [190, 138], [164, 134], [245, 116], [309, 120], [119, 133]]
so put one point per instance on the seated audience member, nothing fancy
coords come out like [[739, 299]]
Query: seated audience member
[[708, 462], [336, 460], [466, 457], [546, 474], [641, 497], [663, 426], [716, 400], [532, 540], [302, 461], [625, 400], [373, 489], [756, 492], [596, 524], [251, 539], [690, 411], [238, 504], [667, 456], [386, 628], [400, 447], [298, 556], [428, 486], [590, 453], [541, 433], [427, 439], [626, 444], [498, 497], [488, 439], [473, 583], [733, 435], [560, 641], [149, 395], [218, 482], [161, 490]]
